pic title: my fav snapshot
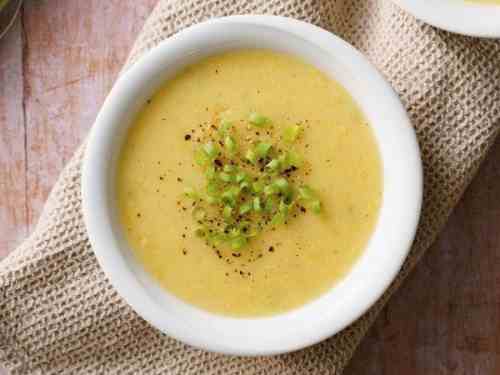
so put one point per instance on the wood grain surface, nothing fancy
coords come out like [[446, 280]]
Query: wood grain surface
[[56, 66]]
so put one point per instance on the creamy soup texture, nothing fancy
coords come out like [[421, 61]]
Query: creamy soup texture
[[280, 269]]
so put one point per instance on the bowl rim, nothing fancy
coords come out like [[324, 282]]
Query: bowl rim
[[115, 265], [456, 16]]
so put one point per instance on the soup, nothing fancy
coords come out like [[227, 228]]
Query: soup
[[284, 263]]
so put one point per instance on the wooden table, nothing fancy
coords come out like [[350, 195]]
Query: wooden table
[[56, 66]]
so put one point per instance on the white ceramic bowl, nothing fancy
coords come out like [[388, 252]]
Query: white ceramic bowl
[[458, 16], [372, 273]]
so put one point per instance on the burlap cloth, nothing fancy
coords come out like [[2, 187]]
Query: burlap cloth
[[59, 314]]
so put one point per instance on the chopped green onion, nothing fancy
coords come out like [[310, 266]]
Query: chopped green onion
[[212, 188], [316, 207], [251, 156], [270, 205], [228, 168], [230, 144], [247, 198], [284, 208], [225, 127], [210, 173], [257, 119], [270, 190], [238, 243], [306, 193], [245, 208], [291, 133], [211, 150], [262, 149], [201, 158], [229, 196], [235, 190], [199, 214], [226, 177], [288, 196], [277, 219], [190, 193], [234, 232], [216, 239], [241, 176], [256, 204], [244, 185], [282, 185], [273, 165], [257, 187], [228, 212], [294, 159], [212, 200]]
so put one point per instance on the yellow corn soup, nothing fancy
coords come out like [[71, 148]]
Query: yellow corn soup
[[281, 268]]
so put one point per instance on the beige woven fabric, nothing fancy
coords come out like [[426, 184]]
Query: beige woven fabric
[[59, 314]]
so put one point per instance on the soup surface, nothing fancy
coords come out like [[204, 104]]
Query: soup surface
[[282, 268]]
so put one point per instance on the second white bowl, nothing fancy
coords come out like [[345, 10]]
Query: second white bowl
[[458, 16]]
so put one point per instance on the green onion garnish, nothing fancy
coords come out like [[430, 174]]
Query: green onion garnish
[[273, 165], [258, 120], [238, 242], [282, 184], [210, 173], [248, 183], [199, 213], [244, 208], [263, 149], [257, 187], [270, 206], [191, 193], [316, 206], [270, 190], [225, 127], [226, 177], [230, 144], [256, 204], [228, 168], [228, 212], [201, 158], [212, 200], [211, 150], [306, 193], [241, 176], [291, 133], [294, 159], [251, 156]]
